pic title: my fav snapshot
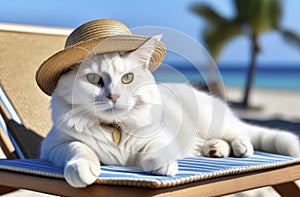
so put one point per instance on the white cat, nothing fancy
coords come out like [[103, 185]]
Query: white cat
[[108, 109]]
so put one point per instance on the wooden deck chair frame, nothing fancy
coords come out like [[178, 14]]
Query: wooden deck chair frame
[[24, 48]]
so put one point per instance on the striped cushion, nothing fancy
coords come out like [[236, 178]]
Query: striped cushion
[[190, 169]]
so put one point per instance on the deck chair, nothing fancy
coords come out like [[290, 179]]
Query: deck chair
[[25, 120]]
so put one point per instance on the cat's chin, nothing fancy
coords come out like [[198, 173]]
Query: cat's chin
[[116, 109], [114, 112], [110, 107]]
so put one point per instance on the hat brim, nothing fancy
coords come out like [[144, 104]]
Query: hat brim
[[50, 70]]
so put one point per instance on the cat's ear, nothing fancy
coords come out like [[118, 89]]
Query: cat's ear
[[144, 52]]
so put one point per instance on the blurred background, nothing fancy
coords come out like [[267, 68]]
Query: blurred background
[[224, 27]]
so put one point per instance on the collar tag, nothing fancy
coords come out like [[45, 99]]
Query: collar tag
[[115, 130]]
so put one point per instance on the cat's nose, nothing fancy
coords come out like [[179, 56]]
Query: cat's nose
[[113, 97]]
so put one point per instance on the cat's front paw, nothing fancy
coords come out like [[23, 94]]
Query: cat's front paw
[[151, 166], [216, 148], [167, 170], [81, 172], [242, 147]]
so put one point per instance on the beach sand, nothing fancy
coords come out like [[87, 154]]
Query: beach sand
[[274, 103], [276, 106]]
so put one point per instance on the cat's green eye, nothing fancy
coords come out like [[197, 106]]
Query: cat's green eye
[[127, 78], [95, 79]]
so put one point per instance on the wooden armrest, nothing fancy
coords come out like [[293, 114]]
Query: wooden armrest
[[212, 187]]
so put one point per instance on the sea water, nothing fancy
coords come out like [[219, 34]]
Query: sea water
[[283, 76]]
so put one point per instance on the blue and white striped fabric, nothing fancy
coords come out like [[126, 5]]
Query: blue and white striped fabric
[[190, 169]]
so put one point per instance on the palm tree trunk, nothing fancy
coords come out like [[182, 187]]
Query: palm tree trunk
[[252, 69]]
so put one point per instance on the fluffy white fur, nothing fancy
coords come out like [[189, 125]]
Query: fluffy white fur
[[159, 122]]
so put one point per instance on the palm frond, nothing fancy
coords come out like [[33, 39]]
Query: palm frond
[[291, 37], [217, 36], [275, 13], [259, 15], [207, 12]]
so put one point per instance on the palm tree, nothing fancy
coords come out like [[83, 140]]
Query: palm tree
[[252, 18]]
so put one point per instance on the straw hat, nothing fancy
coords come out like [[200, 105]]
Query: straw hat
[[98, 36]]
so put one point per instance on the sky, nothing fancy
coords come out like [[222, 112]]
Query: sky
[[164, 13]]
